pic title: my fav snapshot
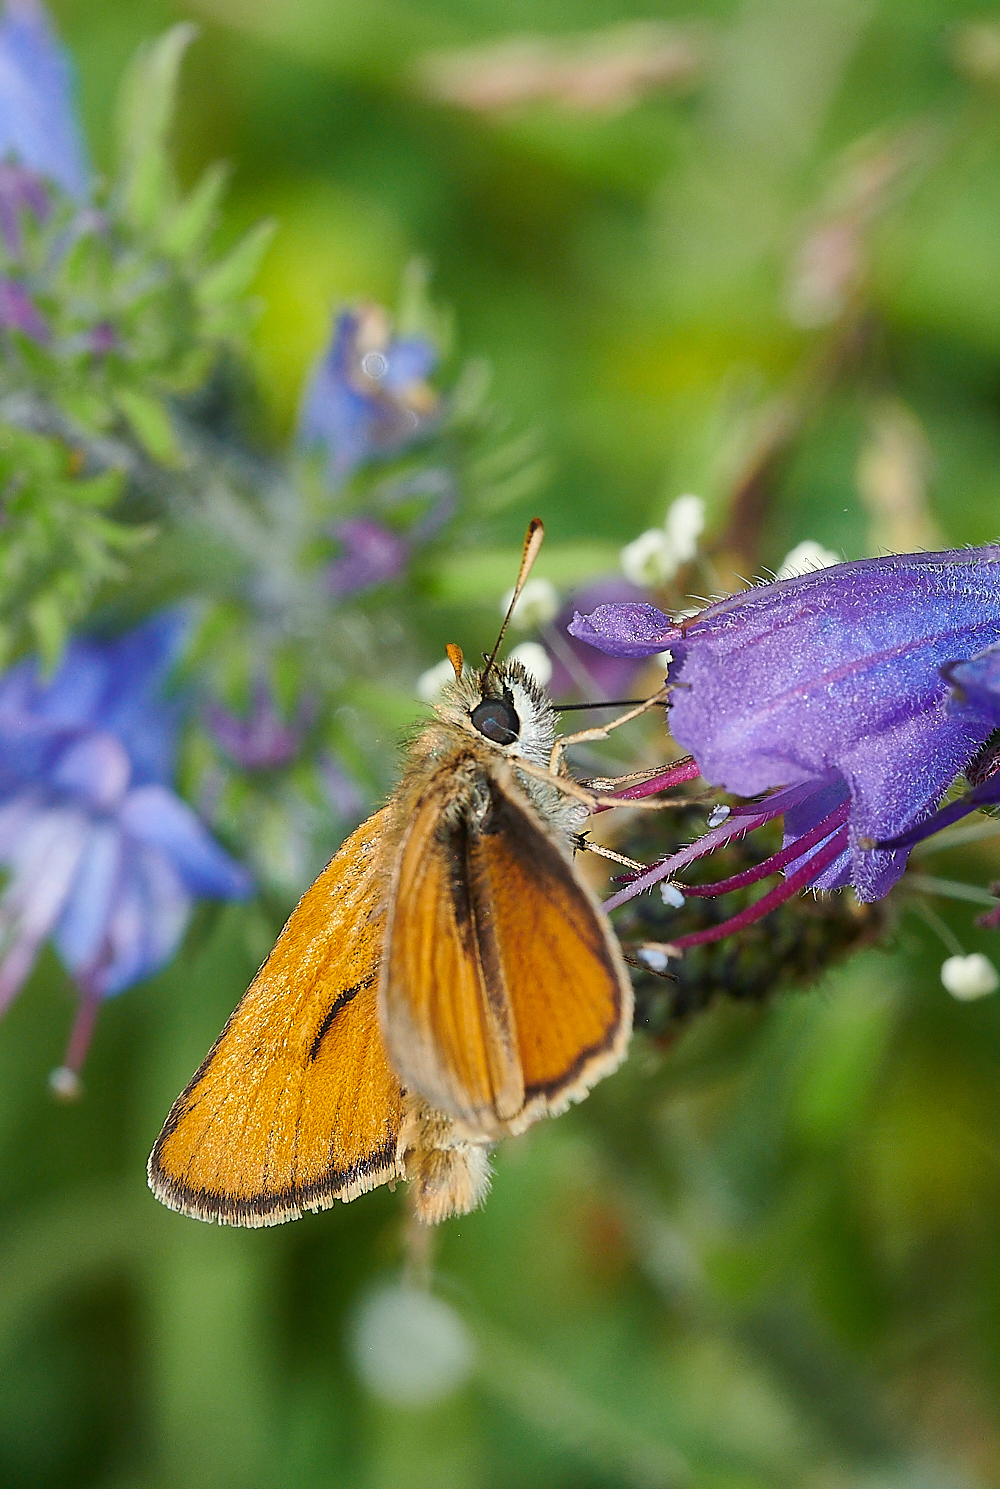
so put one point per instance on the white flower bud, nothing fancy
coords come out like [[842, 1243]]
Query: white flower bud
[[649, 561], [535, 660], [671, 895], [806, 558], [537, 604], [411, 1348], [655, 556], [431, 682], [684, 526], [970, 977]]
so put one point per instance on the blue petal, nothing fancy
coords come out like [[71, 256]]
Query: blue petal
[[82, 929], [147, 922], [114, 686], [38, 122], [156, 817], [409, 360]]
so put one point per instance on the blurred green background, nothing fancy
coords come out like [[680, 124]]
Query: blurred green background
[[767, 1254]]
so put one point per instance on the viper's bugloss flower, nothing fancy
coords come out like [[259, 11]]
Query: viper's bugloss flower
[[104, 858], [38, 122], [371, 554], [368, 398], [861, 691], [261, 740]]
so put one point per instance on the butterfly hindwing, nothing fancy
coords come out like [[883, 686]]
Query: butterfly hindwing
[[296, 1105]]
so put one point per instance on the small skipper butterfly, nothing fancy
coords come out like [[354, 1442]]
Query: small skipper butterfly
[[447, 980]]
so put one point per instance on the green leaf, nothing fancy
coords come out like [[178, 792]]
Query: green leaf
[[48, 622], [190, 224], [145, 113], [233, 275], [152, 426]]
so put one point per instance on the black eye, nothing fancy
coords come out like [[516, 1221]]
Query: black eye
[[497, 719]]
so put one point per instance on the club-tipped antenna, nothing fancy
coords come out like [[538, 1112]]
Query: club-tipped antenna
[[532, 543]]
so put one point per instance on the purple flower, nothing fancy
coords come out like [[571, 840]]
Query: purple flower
[[20, 191], [576, 666], [262, 741], [18, 311], [841, 687], [371, 554], [103, 857], [368, 397], [38, 123]]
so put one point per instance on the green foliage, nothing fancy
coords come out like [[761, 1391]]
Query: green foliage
[[764, 1254]]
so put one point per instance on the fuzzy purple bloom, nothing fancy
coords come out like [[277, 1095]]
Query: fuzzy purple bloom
[[38, 122], [262, 741], [103, 857], [18, 311], [368, 398], [371, 554], [843, 685], [20, 191]]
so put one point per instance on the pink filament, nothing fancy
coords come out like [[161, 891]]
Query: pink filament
[[775, 897], [83, 1028], [673, 775], [777, 860]]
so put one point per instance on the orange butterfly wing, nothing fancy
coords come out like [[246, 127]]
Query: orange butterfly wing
[[570, 993], [295, 1105], [503, 995]]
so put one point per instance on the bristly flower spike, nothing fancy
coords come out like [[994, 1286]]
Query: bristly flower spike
[[838, 691]]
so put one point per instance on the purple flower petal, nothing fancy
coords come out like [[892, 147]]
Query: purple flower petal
[[155, 817], [372, 555], [18, 312], [976, 682], [96, 768], [631, 630], [366, 399], [20, 191], [81, 931], [147, 922], [38, 123]]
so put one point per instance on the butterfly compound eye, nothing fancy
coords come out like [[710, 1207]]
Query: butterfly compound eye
[[497, 719]]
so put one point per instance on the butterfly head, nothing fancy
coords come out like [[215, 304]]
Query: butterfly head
[[507, 709]]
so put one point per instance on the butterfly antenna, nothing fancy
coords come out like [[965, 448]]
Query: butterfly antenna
[[532, 543]]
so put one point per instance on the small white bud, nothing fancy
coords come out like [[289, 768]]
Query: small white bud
[[806, 558], [970, 977], [431, 682], [650, 560], [671, 895], [718, 815], [535, 660], [410, 1347], [684, 526], [537, 604]]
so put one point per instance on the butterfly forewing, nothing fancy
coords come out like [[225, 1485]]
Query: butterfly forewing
[[503, 994], [448, 1029], [296, 1105]]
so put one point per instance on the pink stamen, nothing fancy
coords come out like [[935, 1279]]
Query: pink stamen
[[673, 775], [82, 1031], [770, 901], [777, 860], [708, 841]]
